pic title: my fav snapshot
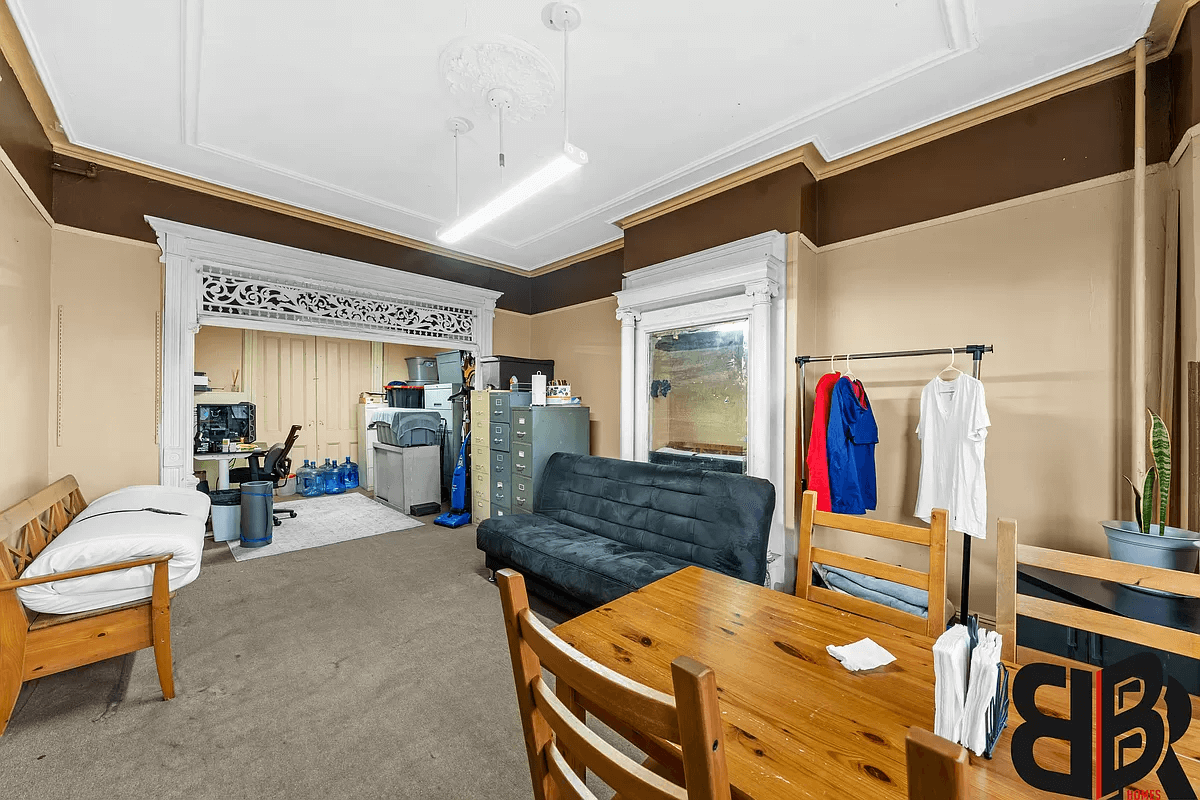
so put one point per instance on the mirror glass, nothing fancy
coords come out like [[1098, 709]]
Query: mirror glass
[[698, 396]]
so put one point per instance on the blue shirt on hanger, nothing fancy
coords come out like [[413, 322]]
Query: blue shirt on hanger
[[850, 444]]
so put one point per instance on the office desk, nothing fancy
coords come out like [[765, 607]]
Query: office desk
[[223, 460]]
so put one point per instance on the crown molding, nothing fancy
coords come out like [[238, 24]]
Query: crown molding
[[1164, 28], [584, 255]]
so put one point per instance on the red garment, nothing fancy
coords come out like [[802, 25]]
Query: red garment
[[818, 459]]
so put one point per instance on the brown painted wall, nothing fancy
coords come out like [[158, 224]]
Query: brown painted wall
[[578, 283], [22, 137], [1184, 104], [1084, 134], [115, 202], [774, 202]]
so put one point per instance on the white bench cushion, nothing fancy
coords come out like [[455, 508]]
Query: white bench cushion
[[91, 541]]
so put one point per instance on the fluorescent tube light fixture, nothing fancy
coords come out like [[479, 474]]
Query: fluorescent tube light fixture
[[564, 164]]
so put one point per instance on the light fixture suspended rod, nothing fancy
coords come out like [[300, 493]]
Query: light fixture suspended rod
[[456, 126], [566, 83]]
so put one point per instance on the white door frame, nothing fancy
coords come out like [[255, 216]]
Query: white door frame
[[746, 279], [215, 278]]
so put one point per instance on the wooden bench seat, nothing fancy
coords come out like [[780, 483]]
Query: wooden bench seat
[[35, 645]]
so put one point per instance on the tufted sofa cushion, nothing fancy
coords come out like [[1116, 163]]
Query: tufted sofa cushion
[[603, 527]]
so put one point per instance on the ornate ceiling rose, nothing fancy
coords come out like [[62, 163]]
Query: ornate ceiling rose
[[473, 66]]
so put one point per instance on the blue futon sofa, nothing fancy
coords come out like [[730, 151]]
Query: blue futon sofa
[[602, 527]]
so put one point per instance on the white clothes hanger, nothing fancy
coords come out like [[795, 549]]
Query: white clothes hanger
[[849, 373], [951, 366]]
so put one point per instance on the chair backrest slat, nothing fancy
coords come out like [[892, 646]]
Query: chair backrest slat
[[647, 710], [1010, 554], [27, 527], [891, 572], [626, 777], [937, 767], [568, 783], [561, 748], [933, 581]]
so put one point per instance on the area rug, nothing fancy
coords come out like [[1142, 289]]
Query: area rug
[[327, 520]]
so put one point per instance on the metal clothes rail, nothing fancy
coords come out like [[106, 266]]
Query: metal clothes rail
[[976, 351]]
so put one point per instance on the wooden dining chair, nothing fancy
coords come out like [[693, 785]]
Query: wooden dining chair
[[933, 581], [1009, 604], [560, 746], [937, 767]]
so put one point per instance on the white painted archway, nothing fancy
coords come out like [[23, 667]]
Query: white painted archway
[[215, 278]]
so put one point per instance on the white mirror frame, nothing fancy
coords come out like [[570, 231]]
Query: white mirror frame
[[215, 278], [745, 279]]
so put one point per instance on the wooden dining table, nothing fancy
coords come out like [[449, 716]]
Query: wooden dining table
[[797, 723]]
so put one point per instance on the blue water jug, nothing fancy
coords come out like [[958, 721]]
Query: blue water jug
[[307, 481], [333, 483], [349, 474]]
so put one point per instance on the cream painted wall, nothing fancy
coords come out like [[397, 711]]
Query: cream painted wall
[[1185, 175], [395, 368], [511, 334], [110, 291], [585, 343], [219, 354], [1044, 281], [25, 333]]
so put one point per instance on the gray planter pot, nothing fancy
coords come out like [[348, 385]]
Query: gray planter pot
[[1178, 549]]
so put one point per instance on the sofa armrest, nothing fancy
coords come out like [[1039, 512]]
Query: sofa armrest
[[80, 573]]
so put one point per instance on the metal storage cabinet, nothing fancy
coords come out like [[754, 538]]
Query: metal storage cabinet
[[481, 454], [521, 448]]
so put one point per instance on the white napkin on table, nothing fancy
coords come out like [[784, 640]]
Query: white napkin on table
[[950, 653], [861, 655]]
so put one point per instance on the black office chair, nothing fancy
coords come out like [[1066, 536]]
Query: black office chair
[[275, 466]]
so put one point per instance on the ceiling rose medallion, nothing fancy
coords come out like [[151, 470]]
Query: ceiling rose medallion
[[475, 65]]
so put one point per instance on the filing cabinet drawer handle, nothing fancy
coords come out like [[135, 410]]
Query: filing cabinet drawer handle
[[498, 496], [520, 499], [521, 434], [498, 441]]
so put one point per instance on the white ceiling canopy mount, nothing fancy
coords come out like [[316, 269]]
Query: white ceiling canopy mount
[[474, 66]]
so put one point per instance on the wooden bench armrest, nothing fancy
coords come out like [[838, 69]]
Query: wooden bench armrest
[[79, 573]]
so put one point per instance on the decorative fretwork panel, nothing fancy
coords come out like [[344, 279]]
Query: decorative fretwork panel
[[226, 292]]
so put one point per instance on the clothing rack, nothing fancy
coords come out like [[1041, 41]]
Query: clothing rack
[[976, 351]]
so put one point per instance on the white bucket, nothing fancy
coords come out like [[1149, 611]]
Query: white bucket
[[227, 523], [288, 489]]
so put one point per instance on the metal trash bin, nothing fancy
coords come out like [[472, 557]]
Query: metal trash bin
[[226, 514], [257, 503]]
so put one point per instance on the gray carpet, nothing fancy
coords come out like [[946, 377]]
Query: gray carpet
[[370, 668]]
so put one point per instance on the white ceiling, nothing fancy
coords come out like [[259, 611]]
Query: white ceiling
[[339, 106]]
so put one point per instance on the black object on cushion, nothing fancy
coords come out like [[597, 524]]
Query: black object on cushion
[[604, 527]]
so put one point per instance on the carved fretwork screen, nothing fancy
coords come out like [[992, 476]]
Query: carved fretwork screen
[[227, 292]]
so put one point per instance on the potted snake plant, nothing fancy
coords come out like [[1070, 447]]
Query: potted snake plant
[[1145, 542]]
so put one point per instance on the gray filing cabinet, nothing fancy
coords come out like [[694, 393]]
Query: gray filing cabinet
[[522, 439]]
